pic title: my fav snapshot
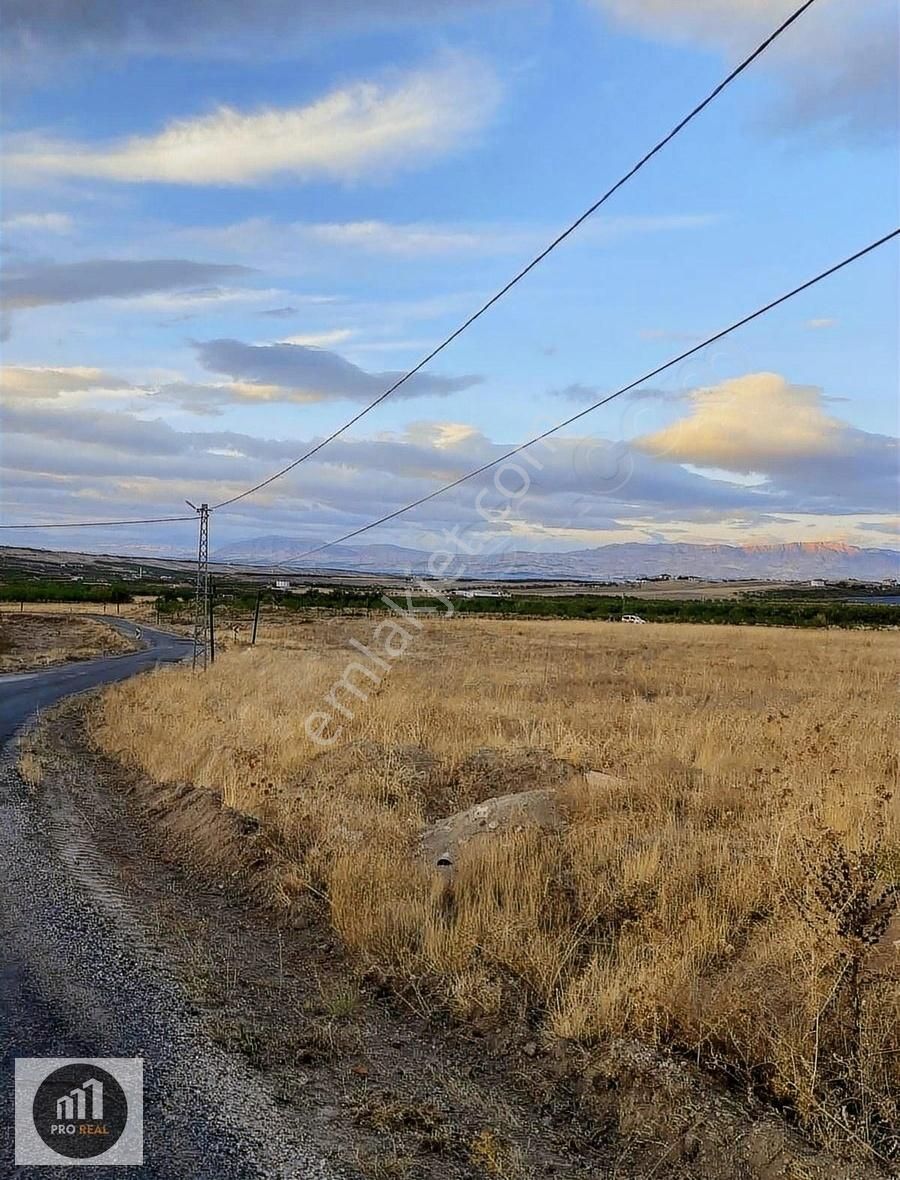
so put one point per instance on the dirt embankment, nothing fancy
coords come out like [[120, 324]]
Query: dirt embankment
[[33, 639]]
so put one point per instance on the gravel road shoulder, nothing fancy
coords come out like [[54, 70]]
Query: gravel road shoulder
[[80, 976]]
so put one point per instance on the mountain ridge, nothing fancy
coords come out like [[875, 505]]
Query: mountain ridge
[[789, 561]]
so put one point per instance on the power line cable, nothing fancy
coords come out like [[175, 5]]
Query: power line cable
[[645, 159], [96, 524], [739, 69], [603, 401]]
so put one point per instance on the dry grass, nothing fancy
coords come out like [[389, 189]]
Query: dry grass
[[127, 610], [37, 639], [730, 900], [31, 768]]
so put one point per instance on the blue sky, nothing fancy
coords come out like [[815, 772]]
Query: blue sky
[[226, 226]]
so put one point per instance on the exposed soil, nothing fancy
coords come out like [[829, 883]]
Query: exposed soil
[[388, 1084], [34, 640]]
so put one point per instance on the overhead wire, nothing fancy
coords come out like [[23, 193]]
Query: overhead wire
[[517, 278], [760, 311], [96, 524]]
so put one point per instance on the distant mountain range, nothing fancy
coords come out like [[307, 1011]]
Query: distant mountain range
[[798, 561]]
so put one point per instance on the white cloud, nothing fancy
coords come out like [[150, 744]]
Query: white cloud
[[417, 239], [761, 424], [836, 66], [816, 325], [200, 298], [39, 382], [445, 435], [360, 129], [271, 243], [72, 459], [52, 223], [714, 22], [749, 424], [112, 452], [319, 339], [380, 237]]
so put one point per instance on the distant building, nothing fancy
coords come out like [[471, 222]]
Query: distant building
[[282, 584], [817, 583], [482, 594]]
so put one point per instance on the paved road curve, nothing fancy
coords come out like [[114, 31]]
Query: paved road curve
[[23, 693], [80, 976]]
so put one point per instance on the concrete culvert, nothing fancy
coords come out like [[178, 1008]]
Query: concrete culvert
[[443, 843]]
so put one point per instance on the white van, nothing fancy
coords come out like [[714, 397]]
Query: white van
[[633, 619]]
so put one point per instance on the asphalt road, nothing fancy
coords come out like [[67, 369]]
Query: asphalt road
[[22, 694], [80, 976]]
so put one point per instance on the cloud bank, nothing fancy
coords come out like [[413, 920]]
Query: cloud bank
[[105, 278], [298, 372], [214, 28], [671, 481]]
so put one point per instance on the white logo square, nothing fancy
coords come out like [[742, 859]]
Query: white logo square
[[79, 1111]]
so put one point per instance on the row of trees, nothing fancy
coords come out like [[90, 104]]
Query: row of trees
[[47, 590], [762, 611], [740, 611]]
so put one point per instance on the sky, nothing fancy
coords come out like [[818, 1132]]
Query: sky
[[226, 228]]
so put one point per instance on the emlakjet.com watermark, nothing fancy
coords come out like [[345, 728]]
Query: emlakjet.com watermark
[[79, 1111], [391, 638]]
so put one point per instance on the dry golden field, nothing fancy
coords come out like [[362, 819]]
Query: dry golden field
[[730, 898], [37, 639]]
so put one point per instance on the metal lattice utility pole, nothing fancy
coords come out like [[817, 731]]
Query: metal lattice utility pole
[[202, 601], [256, 618]]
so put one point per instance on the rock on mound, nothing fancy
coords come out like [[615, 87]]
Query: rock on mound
[[442, 843]]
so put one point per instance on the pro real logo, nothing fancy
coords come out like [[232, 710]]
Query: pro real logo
[[79, 1111]]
